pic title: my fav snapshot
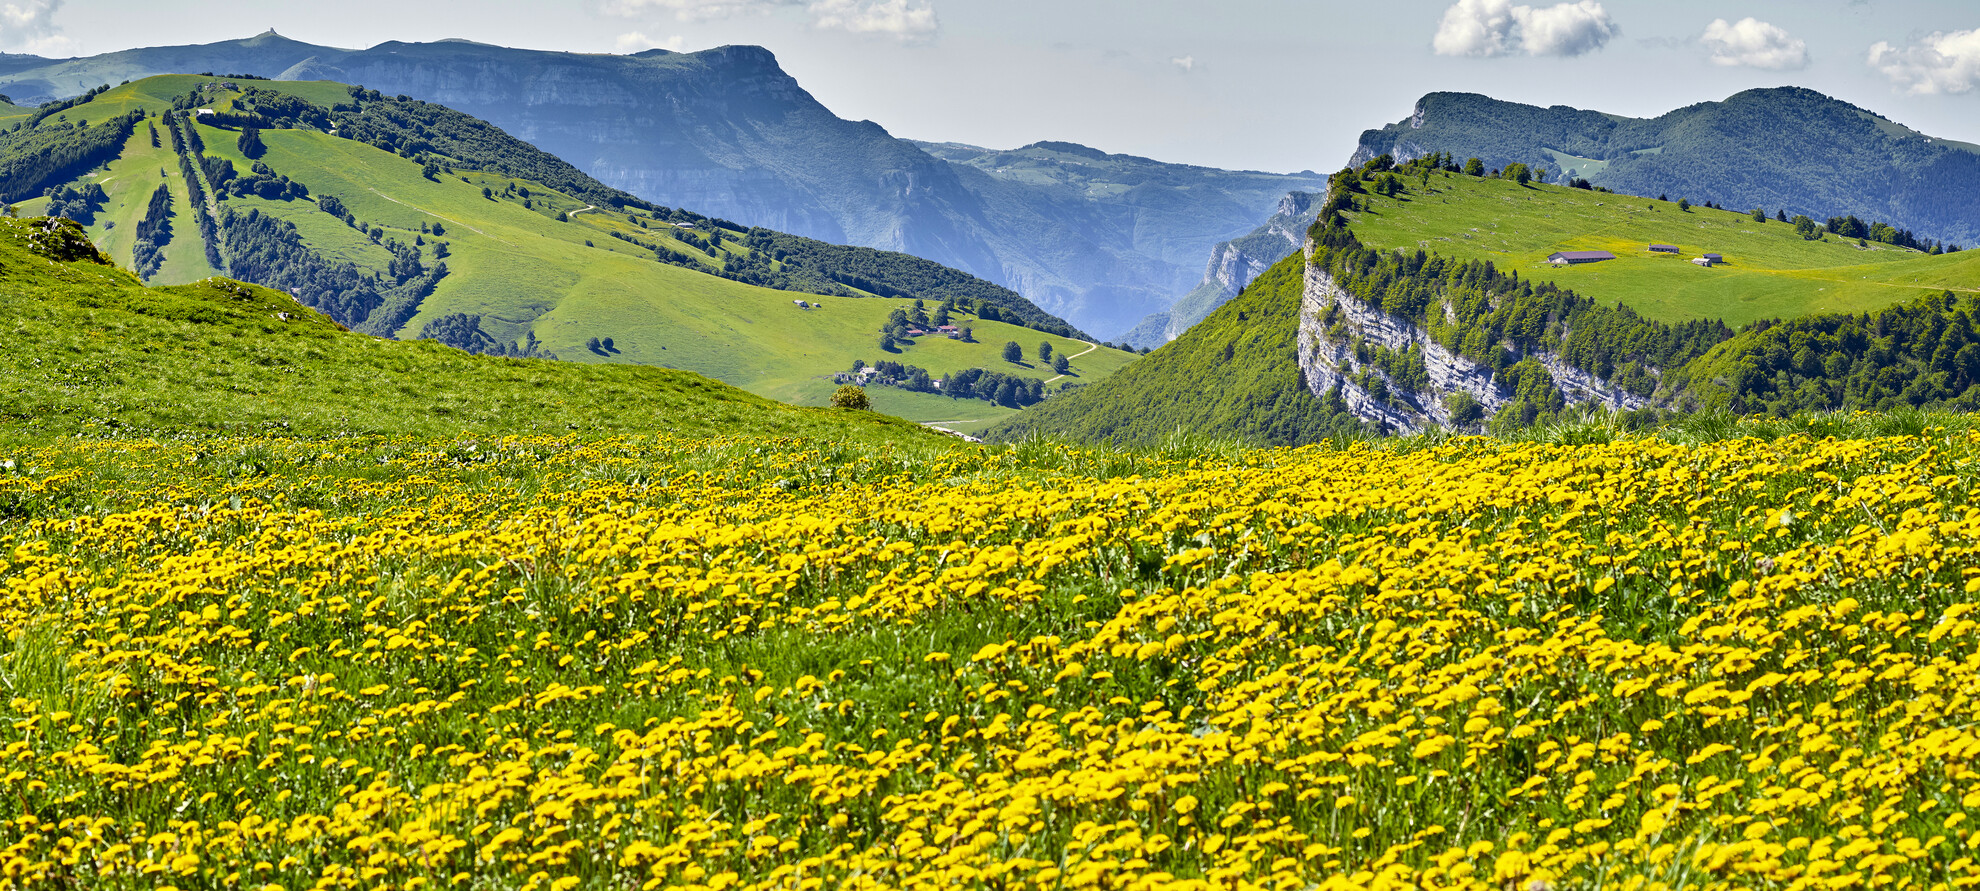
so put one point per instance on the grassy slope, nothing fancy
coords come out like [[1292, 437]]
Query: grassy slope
[[130, 181], [93, 349], [1771, 272], [1257, 393], [523, 270]]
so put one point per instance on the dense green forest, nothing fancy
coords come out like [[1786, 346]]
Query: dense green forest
[[1010, 390], [892, 274], [268, 251], [34, 158], [462, 331], [1922, 354], [153, 233]]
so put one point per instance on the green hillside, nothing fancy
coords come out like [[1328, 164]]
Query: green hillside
[[523, 252], [1236, 373], [92, 350], [1456, 334], [1770, 271]]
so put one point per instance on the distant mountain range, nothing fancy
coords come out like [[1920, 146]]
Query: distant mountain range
[[1787, 149], [406, 219], [1100, 240]]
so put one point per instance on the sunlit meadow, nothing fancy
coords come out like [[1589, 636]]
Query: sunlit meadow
[[646, 662]]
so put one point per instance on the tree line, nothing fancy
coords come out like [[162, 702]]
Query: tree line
[[153, 233], [1009, 390]]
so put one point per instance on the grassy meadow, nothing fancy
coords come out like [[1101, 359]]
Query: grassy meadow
[[286, 606], [523, 271], [1770, 272], [93, 352], [773, 661]]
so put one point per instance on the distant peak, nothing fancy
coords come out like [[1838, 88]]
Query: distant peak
[[1066, 148], [741, 56]]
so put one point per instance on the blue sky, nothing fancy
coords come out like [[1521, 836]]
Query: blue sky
[[1259, 84]]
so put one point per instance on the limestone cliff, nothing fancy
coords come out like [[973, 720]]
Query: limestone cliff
[[1335, 326], [1233, 265]]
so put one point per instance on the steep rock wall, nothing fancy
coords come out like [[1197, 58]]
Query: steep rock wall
[[1327, 361]]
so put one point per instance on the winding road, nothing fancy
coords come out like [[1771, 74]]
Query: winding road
[[1090, 347]]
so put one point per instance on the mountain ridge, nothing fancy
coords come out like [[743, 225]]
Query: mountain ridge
[[1780, 148], [727, 132], [402, 218]]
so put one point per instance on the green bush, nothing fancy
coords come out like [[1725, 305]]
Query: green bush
[[851, 397]]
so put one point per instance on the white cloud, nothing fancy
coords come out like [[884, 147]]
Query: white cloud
[[699, 10], [637, 42], [1499, 28], [1185, 64], [1946, 62], [910, 21], [1754, 44], [30, 26]]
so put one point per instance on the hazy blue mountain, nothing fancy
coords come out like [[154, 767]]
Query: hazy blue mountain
[[1786, 148], [1233, 264], [1100, 240]]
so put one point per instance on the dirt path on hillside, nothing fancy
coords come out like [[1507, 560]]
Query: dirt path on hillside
[[1090, 347], [436, 216]]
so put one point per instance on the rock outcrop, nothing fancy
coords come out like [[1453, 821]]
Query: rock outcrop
[[1331, 323], [1233, 264]]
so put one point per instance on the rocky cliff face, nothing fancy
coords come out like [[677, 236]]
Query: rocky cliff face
[[1233, 265], [1331, 324]]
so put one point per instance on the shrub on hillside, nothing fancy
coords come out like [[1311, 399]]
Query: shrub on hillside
[[851, 397]]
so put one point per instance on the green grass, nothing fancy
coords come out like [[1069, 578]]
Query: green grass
[[1770, 272], [129, 182], [1234, 374], [92, 350], [525, 272], [522, 270]]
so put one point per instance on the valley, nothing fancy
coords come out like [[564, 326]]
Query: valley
[[388, 504], [535, 265], [1097, 239]]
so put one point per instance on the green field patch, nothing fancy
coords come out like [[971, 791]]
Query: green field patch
[[129, 183], [1770, 271]]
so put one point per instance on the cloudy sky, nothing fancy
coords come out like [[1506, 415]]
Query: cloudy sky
[[1259, 84]]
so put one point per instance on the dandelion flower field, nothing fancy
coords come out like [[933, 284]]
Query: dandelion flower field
[[647, 662]]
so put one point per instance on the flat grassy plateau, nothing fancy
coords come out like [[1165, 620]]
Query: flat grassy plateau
[[1770, 271]]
